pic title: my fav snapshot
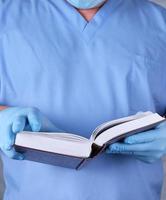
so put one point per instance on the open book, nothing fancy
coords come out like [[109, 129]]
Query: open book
[[70, 150]]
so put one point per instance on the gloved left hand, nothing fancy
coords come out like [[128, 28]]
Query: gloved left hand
[[17, 119], [147, 146]]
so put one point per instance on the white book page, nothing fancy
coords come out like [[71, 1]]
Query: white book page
[[115, 122], [55, 143], [124, 128], [64, 136]]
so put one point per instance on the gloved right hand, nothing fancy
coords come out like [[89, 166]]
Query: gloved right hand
[[17, 119]]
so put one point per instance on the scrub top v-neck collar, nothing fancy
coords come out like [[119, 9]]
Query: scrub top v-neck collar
[[87, 29]]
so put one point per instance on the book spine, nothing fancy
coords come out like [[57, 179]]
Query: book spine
[[96, 150], [81, 164]]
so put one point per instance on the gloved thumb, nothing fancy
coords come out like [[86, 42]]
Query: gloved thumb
[[18, 124]]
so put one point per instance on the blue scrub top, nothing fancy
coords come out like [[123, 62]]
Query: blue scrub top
[[81, 74]]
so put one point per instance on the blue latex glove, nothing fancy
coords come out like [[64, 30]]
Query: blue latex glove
[[147, 146], [16, 119]]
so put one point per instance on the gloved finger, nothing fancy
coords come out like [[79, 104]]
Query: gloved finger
[[8, 139], [13, 154], [145, 159], [143, 137], [34, 119], [145, 154], [122, 148], [18, 124], [161, 125]]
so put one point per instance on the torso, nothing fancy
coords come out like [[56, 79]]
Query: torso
[[81, 75]]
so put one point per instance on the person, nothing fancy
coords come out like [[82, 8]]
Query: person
[[69, 65]]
